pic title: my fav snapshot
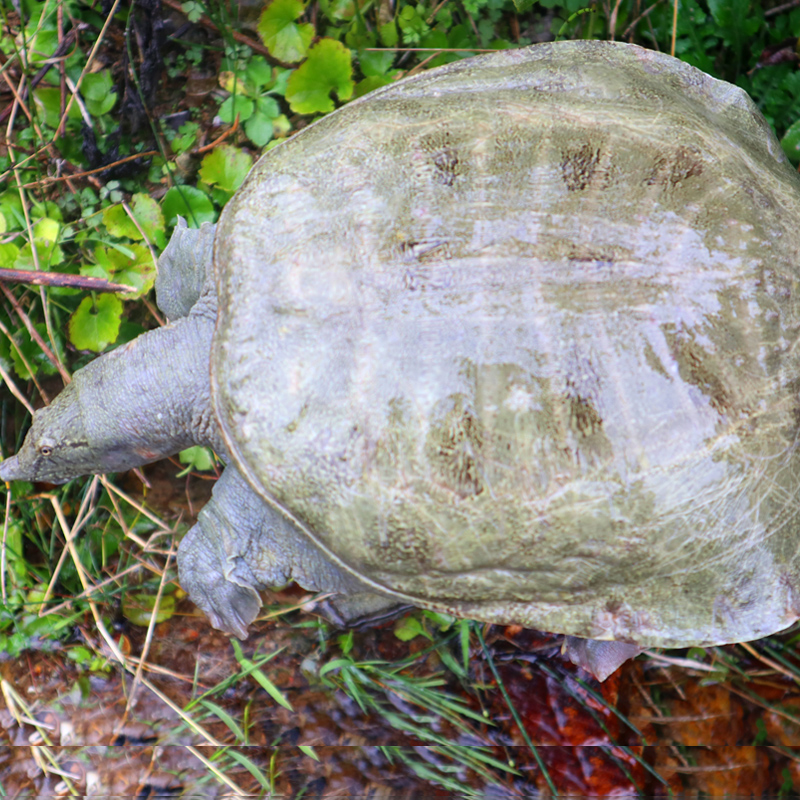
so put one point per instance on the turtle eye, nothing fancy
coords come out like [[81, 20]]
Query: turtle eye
[[46, 450]]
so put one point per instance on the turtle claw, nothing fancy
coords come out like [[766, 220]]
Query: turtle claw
[[231, 608]]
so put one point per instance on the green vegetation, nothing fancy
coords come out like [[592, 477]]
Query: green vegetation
[[111, 128]]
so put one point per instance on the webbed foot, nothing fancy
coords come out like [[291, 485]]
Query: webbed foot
[[230, 605]]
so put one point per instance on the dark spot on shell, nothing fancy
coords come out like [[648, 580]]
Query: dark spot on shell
[[699, 368], [578, 166], [454, 448], [446, 163], [673, 169], [426, 249], [584, 418], [443, 157]]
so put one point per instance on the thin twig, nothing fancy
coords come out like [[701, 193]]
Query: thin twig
[[35, 334], [46, 278], [89, 60], [3, 592], [12, 387], [206, 22], [771, 12], [27, 365], [47, 180], [137, 676], [674, 27]]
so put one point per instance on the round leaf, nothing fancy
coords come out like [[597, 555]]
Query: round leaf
[[328, 68], [226, 167], [186, 201], [258, 129], [135, 268], [138, 608], [236, 104], [258, 71], [285, 39], [119, 224], [95, 323], [375, 64]]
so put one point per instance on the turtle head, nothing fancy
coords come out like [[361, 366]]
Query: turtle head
[[60, 446]]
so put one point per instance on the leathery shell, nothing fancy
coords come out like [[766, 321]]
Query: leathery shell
[[516, 339]]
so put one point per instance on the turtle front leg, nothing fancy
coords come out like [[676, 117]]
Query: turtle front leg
[[241, 545]]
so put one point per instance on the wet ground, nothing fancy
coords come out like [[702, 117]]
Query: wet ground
[[92, 733], [202, 716]]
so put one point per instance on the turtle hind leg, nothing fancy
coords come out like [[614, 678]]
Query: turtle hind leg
[[241, 545]]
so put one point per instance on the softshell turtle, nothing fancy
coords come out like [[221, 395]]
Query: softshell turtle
[[513, 339]]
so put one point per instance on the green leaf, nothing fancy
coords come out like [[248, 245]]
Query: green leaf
[[408, 628], [281, 81], [328, 68], [388, 34], [308, 750], [285, 39], [236, 104], [8, 254], [24, 349], [257, 773], [41, 44], [336, 10], [196, 458], [185, 137], [118, 223], [47, 229], [11, 208], [412, 23], [220, 712], [252, 669], [259, 129], [188, 202], [48, 100], [95, 323], [48, 254], [149, 217], [370, 85], [346, 641], [258, 72], [268, 107], [226, 167], [193, 10], [791, 143], [132, 266], [375, 64], [358, 36], [97, 92], [138, 608]]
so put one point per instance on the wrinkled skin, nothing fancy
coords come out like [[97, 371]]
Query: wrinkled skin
[[93, 427], [512, 339]]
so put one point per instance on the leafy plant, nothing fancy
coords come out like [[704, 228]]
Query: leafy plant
[[62, 210], [327, 69], [287, 40], [254, 100]]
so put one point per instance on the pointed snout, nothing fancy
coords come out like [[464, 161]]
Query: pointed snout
[[10, 470]]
